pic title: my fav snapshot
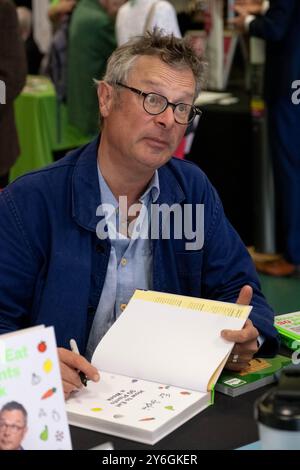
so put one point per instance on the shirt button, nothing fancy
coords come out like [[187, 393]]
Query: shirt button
[[123, 261], [122, 307]]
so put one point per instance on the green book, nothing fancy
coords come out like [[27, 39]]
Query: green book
[[288, 326], [261, 372]]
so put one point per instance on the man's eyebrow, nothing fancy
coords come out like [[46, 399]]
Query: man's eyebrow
[[185, 96]]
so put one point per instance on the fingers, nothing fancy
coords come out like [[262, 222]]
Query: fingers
[[245, 346], [68, 389], [70, 376], [70, 364], [246, 349], [236, 367], [77, 362], [248, 333], [245, 295]]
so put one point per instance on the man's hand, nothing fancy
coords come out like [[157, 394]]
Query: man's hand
[[244, 8], [251, 7], [245, 340], [239, 21], [70, 364]]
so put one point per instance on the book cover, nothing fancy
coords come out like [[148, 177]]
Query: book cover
[[32, 405], [158, 364], [288, 327], [261, 372]]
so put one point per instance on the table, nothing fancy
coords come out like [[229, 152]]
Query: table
[[228, 424], [39, 129]]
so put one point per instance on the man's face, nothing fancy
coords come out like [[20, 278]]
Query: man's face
[[138, 140], [12, 429]]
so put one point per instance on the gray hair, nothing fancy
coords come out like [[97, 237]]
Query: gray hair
[[174, 51], [15, 406]]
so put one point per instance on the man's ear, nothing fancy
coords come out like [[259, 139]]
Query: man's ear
[[105, 97]]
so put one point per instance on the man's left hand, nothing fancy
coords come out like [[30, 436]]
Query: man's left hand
[[239, 21], [245, 340]]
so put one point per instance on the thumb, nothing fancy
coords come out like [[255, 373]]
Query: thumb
[[245, 295]]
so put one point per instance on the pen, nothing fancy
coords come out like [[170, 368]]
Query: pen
[[74, 348]]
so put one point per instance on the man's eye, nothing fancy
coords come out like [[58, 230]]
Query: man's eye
[[183, 108], [153, 99]]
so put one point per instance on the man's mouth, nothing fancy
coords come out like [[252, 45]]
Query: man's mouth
[[156, 142]]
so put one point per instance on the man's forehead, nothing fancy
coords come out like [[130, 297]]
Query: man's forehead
[[12, 414], [151, 70]]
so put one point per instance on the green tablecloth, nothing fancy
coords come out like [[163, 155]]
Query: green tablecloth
[[39, 129]]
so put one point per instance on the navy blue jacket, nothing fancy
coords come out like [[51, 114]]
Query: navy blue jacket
[[53, 266], [280, 27]]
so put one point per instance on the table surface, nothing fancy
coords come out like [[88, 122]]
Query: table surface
[[42, 126], [228, 424]]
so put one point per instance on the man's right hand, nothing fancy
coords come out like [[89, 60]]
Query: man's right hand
[[70, 364]]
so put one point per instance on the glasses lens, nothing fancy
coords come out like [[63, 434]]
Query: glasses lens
[[13, 428], [184, 113], [155, 104]]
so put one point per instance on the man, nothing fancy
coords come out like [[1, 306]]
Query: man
[[12, 80], [33, 54], [279, 26], [59, 8], [56, 271], [138, 16], [13, 426], [91, 41]]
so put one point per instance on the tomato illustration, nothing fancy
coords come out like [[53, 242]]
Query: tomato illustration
[[42, 346]]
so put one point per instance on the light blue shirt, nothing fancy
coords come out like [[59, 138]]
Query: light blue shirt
[[130, 262]]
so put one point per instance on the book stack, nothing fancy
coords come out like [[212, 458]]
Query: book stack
[[261, 372], [288, 327]]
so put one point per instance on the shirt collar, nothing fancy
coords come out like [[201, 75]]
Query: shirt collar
[[86, 195], [107, 196]]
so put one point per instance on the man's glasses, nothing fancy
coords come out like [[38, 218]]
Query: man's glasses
[[156, 104], [14, 428]]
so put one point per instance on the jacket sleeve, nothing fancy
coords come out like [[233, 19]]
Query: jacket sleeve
[[13, 66], [274, 24], [18, 268], [228, 267]]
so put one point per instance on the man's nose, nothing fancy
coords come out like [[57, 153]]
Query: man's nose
[[166, 118]]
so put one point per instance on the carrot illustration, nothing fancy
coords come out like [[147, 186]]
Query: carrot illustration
[[49, 393]]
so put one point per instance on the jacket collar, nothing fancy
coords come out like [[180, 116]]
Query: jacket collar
[[86, 195]]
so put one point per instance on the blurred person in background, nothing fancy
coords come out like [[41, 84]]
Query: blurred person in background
[[91, 42], [278, 23], [12, 75], [137, 16], [33, 54], [59, 8]]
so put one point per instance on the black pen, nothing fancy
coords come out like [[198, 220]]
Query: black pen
[[74, 348]]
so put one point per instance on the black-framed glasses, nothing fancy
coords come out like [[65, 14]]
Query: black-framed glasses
[[13, 427], [156, 104]]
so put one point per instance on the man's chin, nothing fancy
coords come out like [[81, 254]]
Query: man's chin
[[6, 447]]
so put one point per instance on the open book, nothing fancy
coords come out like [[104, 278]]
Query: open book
[[32, 405], [158, 365]]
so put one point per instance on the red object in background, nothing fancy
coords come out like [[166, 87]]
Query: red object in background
[[179, 153]]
